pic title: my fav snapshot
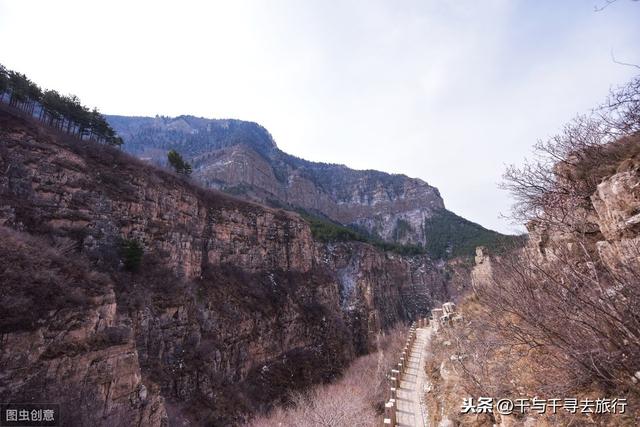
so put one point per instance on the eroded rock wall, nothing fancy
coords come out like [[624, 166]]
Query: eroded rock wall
[[233, 304]]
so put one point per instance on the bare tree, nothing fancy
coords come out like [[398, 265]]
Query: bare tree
[[554, 188], [603, 6], [580, 312], [354, 400]]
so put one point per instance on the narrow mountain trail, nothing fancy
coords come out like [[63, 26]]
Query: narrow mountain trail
[[411, 411]]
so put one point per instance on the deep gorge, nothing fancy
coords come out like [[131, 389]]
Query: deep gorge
[[233, 305]]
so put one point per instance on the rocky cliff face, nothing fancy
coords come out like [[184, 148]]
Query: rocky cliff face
[[64, 342], [242, 158], [617, 205], [233, 303], [611, 218]]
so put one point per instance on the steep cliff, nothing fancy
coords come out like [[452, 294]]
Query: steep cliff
[[63, 340], [242, 158], [233, 303]]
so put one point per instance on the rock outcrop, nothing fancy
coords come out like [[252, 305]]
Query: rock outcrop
[[609, 223], [232, 305], [617, 205]]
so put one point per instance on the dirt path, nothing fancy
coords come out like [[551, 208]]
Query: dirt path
[[410, 412]]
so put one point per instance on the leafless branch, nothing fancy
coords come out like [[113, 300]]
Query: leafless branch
[[613, 58]]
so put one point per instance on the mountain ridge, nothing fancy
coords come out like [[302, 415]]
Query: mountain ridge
[[243, 159]]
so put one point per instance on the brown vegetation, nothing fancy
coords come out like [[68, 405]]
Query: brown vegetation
[[355, 400], [551, 330], [582, 313], [32, 273]]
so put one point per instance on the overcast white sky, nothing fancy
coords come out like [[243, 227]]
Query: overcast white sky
[[447, 91]]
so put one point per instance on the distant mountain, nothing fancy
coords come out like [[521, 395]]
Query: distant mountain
[[242, 158]]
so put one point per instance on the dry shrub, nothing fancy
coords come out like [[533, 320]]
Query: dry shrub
[[356, 399], [582, 313], [565, 326], [555, 186], [338, 404], [36, 281]]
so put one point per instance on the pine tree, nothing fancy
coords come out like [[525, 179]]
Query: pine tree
[[65, 113], [4, 79], [178, 163], [132, 252]]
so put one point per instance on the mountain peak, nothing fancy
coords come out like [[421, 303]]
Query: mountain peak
[[192, 134]]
